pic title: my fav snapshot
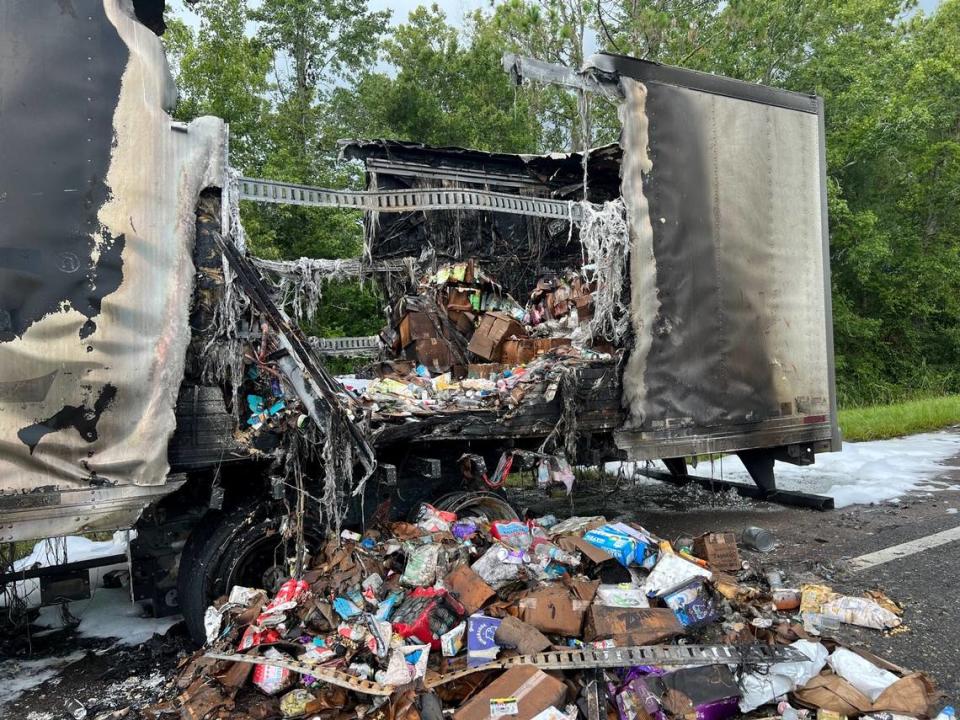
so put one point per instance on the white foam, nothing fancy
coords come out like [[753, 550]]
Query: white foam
[[109, 613], [862, 472], [19, 676]]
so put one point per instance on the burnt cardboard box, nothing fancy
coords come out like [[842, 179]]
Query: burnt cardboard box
[[545, 345], [458, 298], [469, 588], [514, 633], [631, 626], [416, 326], [433, 353], [559, 609], [719, 550], [494, 328], [463, 321], [585, 308], [533, 689], [518, 351]]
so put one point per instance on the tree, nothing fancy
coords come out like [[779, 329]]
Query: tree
[[222, 72], [447, 89]]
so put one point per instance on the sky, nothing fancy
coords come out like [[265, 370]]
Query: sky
[[454, 9]]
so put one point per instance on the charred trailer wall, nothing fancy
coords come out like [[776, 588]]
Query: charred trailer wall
[[98, 189], [724, 184]]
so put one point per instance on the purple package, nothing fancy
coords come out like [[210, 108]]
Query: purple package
[[634, 700], [481, 647], [463, 529]]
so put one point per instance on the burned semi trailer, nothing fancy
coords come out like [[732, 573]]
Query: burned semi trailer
[[150, 373], [716, 296]]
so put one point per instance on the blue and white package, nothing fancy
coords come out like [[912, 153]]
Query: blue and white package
[[616, 544]]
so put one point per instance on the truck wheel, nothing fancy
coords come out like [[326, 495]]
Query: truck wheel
[[244, 546]]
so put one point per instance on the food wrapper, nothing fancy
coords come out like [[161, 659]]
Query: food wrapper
[[624, 595], [294, 703], [451, 643], [512, 533], [421, 569]]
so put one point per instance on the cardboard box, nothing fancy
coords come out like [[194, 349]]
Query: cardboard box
[[545, 345], [459, 298], [483, 371], [433, 353], [518, 352], [463, 321], [470, 589], [585, 308], [494, 329], [524, 637], [719, 550], [559, 609], [534, 690], [631, 626], [416, 326], [575, 543]]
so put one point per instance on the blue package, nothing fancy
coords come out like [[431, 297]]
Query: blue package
[[481, 646], [691, 603], [618, 545], [255, 403], [346, 608], [388, 605]]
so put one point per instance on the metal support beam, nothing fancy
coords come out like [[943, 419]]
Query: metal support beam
[[53, 571], [398, 201]]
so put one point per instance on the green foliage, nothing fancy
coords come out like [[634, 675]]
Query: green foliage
[[318, 70], [878, 422]]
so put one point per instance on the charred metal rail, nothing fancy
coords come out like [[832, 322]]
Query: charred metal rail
[[661, 655], [272, 191], [790, 498], [346, 346]]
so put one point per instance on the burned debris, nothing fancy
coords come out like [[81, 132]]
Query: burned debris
[[457, 614]]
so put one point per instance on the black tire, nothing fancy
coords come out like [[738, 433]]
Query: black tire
[[243, 546]]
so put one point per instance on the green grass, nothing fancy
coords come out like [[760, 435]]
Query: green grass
[[878, 422]]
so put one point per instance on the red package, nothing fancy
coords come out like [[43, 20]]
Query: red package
[[291, 590], [426, 614], [253, 637], [270, 679]]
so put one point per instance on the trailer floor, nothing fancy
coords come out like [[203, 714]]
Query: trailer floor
[[817, 544]]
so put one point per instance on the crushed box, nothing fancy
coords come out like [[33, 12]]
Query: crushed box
[[433, 353], [533, 690], [559, 609], [469, 588], [416, 326], [631, 626], [494, 329]]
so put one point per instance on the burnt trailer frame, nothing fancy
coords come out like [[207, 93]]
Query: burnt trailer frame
[[730, 422]]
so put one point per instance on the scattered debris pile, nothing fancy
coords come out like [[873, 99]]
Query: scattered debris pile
[[463, 343], [475, 618]]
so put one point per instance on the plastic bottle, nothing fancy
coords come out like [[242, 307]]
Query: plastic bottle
[[948, 713]]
